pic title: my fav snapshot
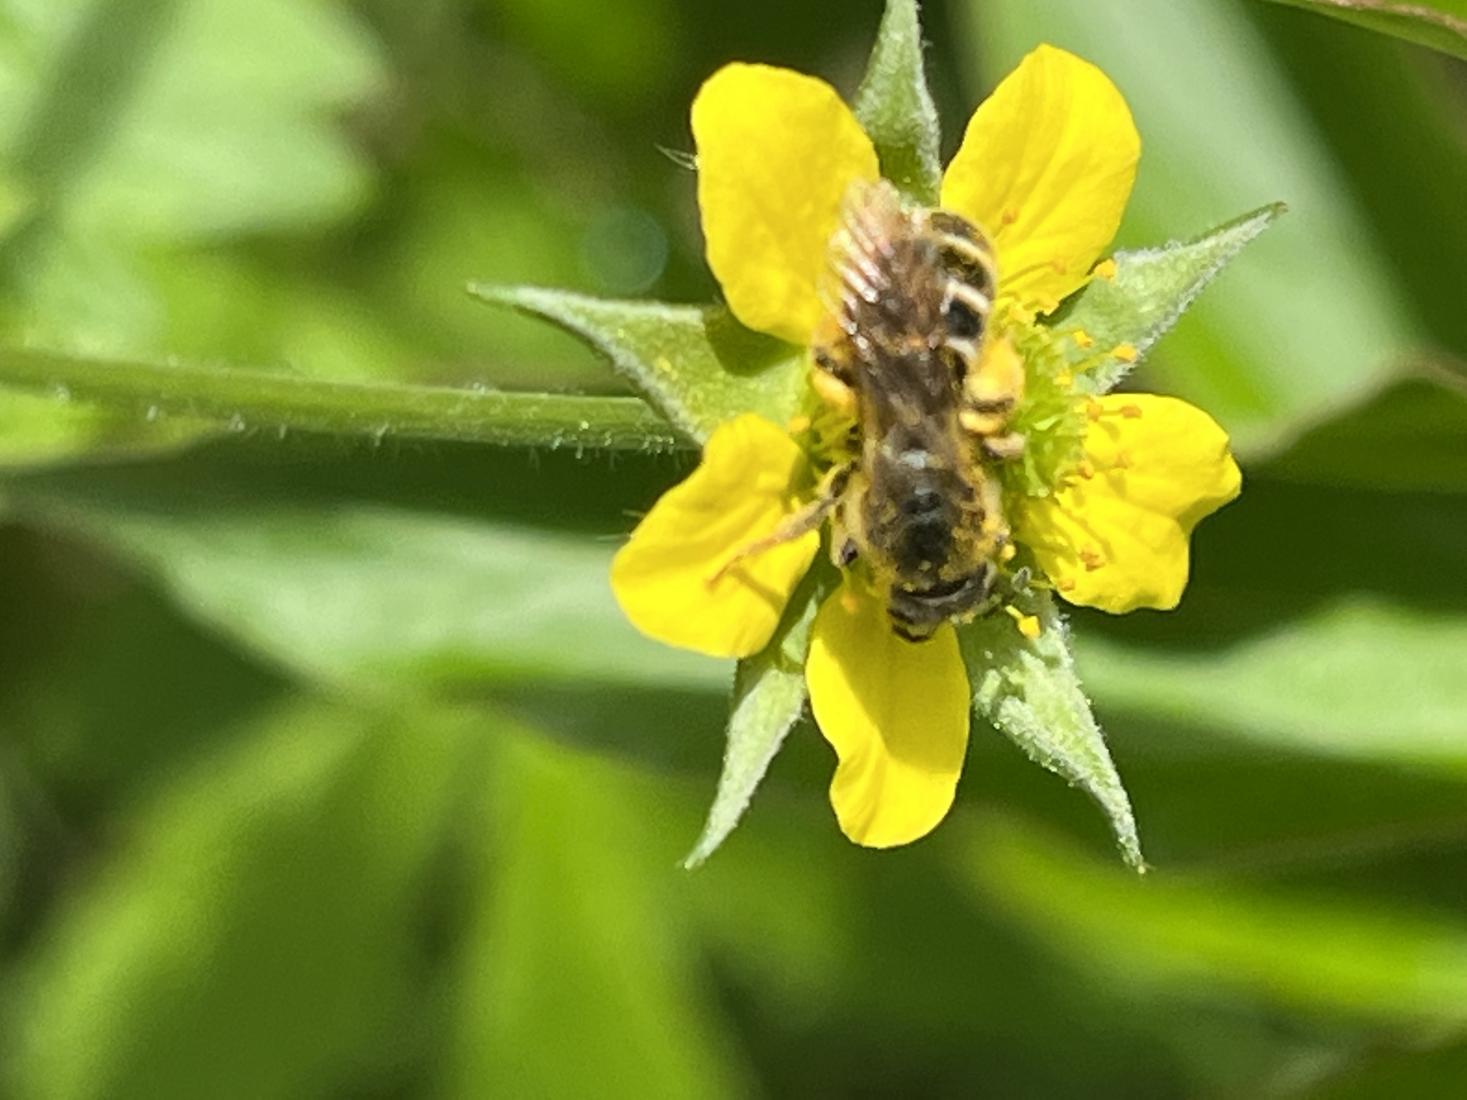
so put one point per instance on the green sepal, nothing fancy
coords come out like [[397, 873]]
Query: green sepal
[[1029, 690], [1150, 291], [768, 699], [896, 109], [696, 365]]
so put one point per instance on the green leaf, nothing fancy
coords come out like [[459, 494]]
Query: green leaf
[[768, 699], [1315, 317], [696, 365], [1308, 953], [895, 107], [254, 934], [1441, 24], [243, 400], [1151, 290], [1358, 678], [580, 943], [382, 600], [131, 130], [1030, 692], [1406, 438], [176, 119]]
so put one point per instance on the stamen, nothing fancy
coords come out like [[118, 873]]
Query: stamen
[[1091, 558], [1085, 469], [1010, 216], [1028, 624], [1131, 412], [1082, 338], [1126, 353], [1094, 410], [1106, 269], [1065, 584]]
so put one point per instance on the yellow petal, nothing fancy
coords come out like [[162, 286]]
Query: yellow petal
[[1117, 539], [741, 491], [777, 151], [896, 713], [1046, 167]]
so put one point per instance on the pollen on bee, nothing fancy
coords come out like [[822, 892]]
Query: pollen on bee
[[1008, 552], [798, 424], [1106, 269], [1126, 353]]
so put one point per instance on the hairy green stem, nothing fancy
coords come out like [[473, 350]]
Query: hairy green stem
[[256, 400]]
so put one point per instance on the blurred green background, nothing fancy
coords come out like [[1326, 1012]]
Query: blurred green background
[[327, 768]]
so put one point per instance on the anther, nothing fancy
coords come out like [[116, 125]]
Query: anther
[[1094, 410], [1126, 353], [1106, 269], [1010, 216], [1122, 460], [1092, 559], [1065, 584], [1085, 469], [1028, 624], [1082, 338], [1131, 412]]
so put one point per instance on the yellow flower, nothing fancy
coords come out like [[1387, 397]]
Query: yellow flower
[[1045, 170]]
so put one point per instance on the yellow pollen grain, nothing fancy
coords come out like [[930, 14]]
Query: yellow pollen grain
[[1106, 269], [1131, 412], [1082, 338], [1092, 559], [1010, 216], [1065, 584], [1126, 353]]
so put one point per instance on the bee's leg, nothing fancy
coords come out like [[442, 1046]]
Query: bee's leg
[[808, 518], [845, 540], [1004, 448], [993, 390], [826, 379]]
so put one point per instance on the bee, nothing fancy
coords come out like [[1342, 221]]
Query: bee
[[903, 354]]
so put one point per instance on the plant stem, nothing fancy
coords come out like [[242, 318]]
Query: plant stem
[[257, 400]]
